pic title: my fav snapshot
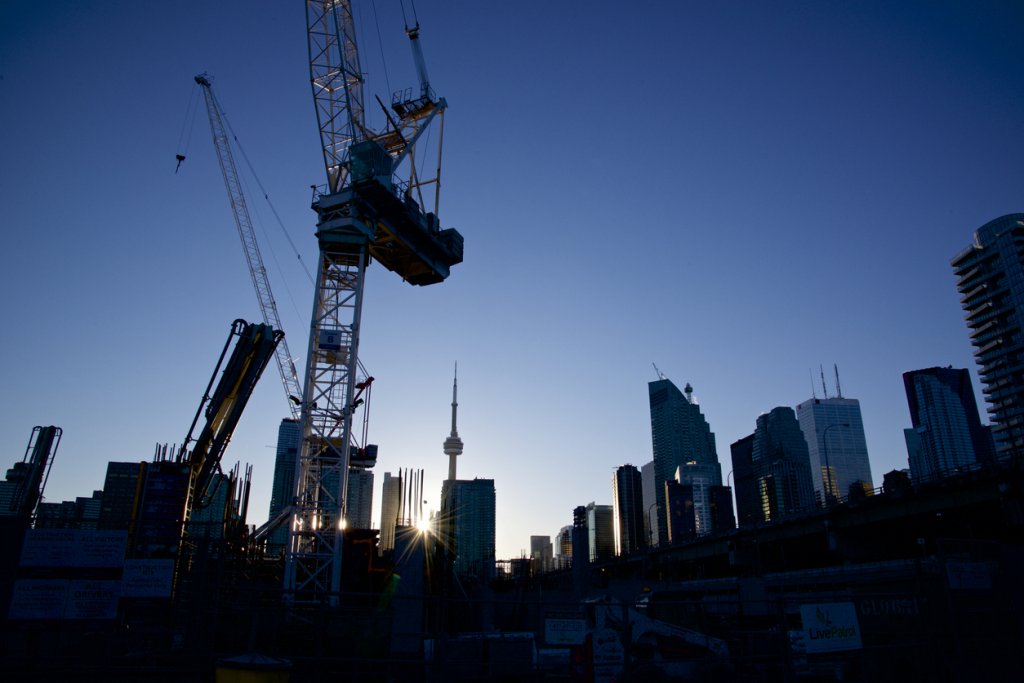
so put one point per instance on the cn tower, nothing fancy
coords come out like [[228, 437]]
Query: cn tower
[[453, 444]]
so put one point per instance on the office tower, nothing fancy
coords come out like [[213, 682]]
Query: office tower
[[838, 451], [282, 492], [722, 517], [390, 502], [12, 487], [628, 505], [359, 501], [540, 553], [118, 503], [782, 464], [748, 497], [468, 524], [683, 443], [990, 279], [453, 444], [563, 547], [682, 519], [580, 537], [650, 505], [600, 532], [947, 431]]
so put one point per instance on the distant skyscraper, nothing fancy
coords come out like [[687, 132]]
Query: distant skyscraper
[[782, 464], [390, 502], [947, 431], [453, 444], [647, 478], [468, 524], [748, 496], [282, 492], [563, 547], [990, 279], [682, 519], [722, 517], [834, 431], [683, 443], [772, 470], [628, 504], [600, 532], [540, 553], [359, 502]]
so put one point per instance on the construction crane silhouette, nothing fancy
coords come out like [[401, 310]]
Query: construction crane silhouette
[[375, 204], [253, 257]]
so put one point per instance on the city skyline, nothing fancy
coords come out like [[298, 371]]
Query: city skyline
[[806, 200]]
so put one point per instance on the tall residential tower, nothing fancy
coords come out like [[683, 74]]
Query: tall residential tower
[[990, 279]]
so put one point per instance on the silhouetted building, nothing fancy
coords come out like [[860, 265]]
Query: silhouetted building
[[282, 491], [772, 470], [748, 498], [990, 279], [628, 504], [947, 431], [647, 479], [540, 553], [684, 446], [682, 520], [468, 529], [390, 502], [359, 502], [838, 452], [600, 532], [119, 489], [722, 517], [563, 547]]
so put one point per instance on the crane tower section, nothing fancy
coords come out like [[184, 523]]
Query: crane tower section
[[378, 203]]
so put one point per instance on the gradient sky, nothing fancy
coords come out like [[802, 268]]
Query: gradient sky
[[736, 191]]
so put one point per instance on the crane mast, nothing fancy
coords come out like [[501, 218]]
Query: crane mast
[[253, 257], [369, 208]]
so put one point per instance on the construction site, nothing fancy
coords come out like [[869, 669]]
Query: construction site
[[913, 582]]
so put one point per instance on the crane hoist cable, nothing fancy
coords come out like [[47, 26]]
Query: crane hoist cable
[[188, 123]]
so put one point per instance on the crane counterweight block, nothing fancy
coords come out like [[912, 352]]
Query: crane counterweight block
[[401, 237]]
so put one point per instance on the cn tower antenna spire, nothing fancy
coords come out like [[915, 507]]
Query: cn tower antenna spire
[[453, 444]]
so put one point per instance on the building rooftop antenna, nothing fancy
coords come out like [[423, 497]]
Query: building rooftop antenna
[[824, 388], [659, 373], [839, 389]]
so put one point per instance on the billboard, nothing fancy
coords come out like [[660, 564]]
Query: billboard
[[830, 627]]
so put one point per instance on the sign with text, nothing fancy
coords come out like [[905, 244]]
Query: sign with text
[[147, 579], [830, 627]]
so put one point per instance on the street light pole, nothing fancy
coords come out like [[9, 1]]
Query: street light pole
[[829, 497]]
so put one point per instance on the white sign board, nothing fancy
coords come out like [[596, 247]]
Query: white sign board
[[830, 627], [147, 579], [38, 599], [565, 631], [608, 656]]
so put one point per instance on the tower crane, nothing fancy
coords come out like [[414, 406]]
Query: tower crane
[[372, 206], [240, 211]]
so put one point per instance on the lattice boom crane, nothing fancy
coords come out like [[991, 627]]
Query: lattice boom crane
[[371, 207]]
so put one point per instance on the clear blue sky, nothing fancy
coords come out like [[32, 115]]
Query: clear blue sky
[[736, 191]]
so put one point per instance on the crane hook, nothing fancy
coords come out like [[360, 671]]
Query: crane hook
[[180, 158]]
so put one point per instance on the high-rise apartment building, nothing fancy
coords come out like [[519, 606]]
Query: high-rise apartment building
[[628, 505], [684, 450], [282, 492], [834, 431], [990, 279], [468, 524], [563, 547], [947, 432], [359, 501]]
